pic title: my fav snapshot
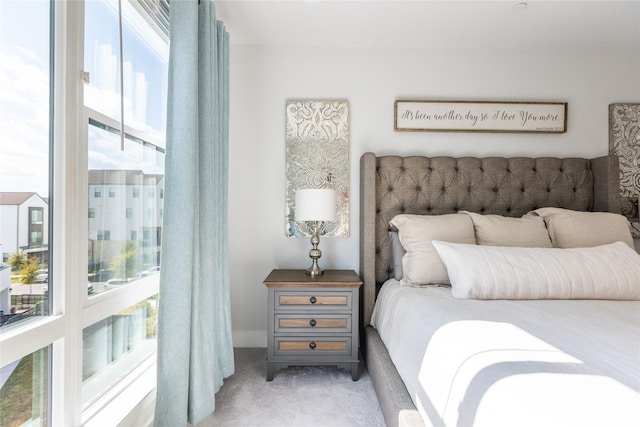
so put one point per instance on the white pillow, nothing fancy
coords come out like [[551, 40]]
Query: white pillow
[[494, 272], [497, 230], [421, 265], [574, 229]]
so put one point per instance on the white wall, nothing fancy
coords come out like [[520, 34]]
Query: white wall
[[263, 78]]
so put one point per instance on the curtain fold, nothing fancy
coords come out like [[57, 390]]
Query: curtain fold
[[195, 349]]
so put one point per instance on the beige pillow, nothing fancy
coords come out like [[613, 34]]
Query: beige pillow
[[494, 272], [421, 264], [574, 229], [496, 230]]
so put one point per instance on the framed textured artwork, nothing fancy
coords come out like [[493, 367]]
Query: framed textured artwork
[[480, 116], [317, 156], [624, 141]]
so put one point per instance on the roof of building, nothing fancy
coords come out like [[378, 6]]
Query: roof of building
[[16, 197]]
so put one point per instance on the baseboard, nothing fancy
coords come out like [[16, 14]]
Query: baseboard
[[250, 339]]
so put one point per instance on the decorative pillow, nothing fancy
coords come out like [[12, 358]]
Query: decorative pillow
[[397, 252], [421, 264], [496, 230], [574, 229], [494, 272]]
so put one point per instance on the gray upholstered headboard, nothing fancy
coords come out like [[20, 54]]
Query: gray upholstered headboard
[[390, 185]]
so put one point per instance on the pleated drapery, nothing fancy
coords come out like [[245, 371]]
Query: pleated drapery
[[195, 349]]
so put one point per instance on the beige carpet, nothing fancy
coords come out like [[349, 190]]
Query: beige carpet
[[310, 396]]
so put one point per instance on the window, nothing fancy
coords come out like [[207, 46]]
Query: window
[[24, 394], [36, 216], [26, 36], [35, 238], [73, 362], [36, 226], [116, 344], [125, 154], [25, 121], [103, 235]]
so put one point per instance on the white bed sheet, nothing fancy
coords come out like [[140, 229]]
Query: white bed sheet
[[513, 363]]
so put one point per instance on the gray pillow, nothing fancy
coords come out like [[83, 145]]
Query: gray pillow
[[397, 252], [421, 265]]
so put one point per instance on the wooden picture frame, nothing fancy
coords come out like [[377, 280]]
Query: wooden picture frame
[[480, 116]]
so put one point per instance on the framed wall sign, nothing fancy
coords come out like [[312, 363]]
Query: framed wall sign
[[480, 116]]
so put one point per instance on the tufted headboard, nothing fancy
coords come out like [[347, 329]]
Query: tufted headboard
[[390, 185]]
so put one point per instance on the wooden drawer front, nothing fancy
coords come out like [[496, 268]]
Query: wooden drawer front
[[310, 323], [313, 346], [292, 300]]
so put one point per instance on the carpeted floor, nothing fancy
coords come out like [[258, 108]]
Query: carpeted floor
[[308, 396]]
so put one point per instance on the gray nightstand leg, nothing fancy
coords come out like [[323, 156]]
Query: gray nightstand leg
[[355, 373], [269, 371]]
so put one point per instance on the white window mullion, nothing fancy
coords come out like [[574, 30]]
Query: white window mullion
[[29, 337], [70, 184]]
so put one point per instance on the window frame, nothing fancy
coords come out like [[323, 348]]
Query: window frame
[[71, 309]]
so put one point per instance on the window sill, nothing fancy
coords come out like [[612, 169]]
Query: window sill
[[115, 405]]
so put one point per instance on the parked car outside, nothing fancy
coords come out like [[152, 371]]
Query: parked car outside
[[152, 270], [115, 283]]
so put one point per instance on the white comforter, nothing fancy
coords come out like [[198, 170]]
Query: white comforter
[[513, 363]]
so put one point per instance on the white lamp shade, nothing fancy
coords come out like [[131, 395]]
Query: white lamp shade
[[316, 204]]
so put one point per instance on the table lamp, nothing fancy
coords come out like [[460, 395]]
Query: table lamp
[[315, 205]]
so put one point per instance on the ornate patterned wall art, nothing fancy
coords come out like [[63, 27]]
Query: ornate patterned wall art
[[624, 141], [317, 156]]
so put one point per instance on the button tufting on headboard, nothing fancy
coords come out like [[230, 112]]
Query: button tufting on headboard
[[493, 185]]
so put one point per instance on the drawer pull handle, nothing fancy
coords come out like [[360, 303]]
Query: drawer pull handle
[[312, 345], [312, 322], [313, 300]]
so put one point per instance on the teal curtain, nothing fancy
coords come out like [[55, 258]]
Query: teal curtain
[[195, 349]]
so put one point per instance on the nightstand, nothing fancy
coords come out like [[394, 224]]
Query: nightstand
[[313, 320]]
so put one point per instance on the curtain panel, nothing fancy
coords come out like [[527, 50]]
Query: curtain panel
[[195, 349]]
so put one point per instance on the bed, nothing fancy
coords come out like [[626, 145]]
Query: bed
[[534, 359]]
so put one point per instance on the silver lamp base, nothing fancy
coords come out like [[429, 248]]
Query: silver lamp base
[[315, 253]]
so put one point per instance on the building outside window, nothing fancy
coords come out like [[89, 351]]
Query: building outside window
[[25, 193], [71, 356], [36, 226]]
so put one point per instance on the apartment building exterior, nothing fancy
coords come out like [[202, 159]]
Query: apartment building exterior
[[23, 226], [125, 213]]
